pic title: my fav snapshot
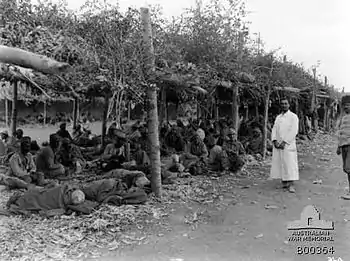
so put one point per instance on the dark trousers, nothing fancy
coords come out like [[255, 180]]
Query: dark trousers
[[114, 164]]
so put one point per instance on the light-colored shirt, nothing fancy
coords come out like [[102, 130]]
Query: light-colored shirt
[[215, 154], [344, 130], [21, 165]]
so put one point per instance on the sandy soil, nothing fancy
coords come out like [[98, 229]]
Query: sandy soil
[[247, 231], [244, 230]]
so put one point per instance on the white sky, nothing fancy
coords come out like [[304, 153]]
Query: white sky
[[306, 30]]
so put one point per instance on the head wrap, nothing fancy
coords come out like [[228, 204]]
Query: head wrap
[[77, 197], [232, 131], [201, 133]]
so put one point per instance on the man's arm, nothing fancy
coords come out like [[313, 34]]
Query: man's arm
[[50, 157], [241, 150], [212, 156], [107, 153], [274, 131], [32, 165], [204, 151]]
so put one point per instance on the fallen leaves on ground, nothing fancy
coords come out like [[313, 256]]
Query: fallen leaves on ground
[[109, 228], [74, 237]]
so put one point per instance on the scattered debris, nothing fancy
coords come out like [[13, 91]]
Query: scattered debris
[[318, 181], [270, 207], [259, 236]]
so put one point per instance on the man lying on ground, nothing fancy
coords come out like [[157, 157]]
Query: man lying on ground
[[52, 201]]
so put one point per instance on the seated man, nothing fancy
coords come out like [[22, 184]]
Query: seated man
[[70, 156], [234, 150], [255, 144], [113, 155], [217, 160], [46, 160], [63, 133], [173, 139], [196, 149], [15, 141], [22, 166], [141, 157]]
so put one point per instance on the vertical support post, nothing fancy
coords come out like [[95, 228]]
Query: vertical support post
[[104, 121], [7, 112], [153, 129], [45, 112], [75, 112], [129, 110], [14, 107]]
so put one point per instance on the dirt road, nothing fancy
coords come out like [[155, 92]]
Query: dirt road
[[247, 230]]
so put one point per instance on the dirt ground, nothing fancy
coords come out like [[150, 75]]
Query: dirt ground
[[246, 230], [241, 227]]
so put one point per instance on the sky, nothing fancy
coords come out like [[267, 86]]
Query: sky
[[307, 31]]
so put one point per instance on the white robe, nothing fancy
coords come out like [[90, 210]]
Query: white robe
[[285, 162]]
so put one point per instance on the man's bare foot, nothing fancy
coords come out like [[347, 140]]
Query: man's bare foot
[[291, 189], [346, 196]]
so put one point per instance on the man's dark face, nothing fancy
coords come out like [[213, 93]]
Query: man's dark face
[[63, 127], [25, 146], [285, 105], [19, 134]]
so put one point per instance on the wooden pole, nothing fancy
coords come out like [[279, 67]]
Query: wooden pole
[[235, 87], [266, 112], [313, 101], [259, 40], [7, 112], [163, 106], [75, 112], [153, 133], [45, 112], [14, 107], [129, 111], [104, 121]]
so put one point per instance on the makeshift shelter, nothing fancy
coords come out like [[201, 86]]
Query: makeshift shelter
[[222, 94], [26, 96], [176, 89]]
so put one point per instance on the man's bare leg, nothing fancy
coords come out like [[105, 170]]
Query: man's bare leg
[[291, 188]]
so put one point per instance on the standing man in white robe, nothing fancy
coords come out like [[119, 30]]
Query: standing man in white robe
[[284, 155]]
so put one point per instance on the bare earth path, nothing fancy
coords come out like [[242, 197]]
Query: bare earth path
[[246, 230]]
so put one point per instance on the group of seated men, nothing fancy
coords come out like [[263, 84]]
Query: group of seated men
[[213, 144]]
